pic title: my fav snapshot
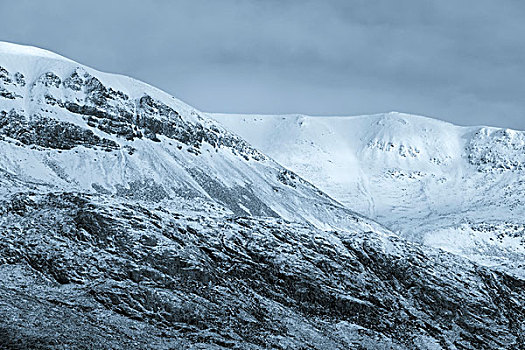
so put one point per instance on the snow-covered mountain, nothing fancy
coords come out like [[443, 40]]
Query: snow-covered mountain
[[130, 220], [457, 188], [136, 142]]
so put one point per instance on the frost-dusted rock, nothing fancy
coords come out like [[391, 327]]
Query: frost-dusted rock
[[497, 150], [49, 133], [165, 277]]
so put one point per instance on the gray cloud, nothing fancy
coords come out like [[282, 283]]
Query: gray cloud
[[458, 61]]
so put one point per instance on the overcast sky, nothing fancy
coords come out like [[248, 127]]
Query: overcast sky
[[461, 61]]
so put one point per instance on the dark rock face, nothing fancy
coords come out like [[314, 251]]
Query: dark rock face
[[8, 94], [17, 79], [115, 113], [87, 273], [497, 150], [9, 84], [49, 133]]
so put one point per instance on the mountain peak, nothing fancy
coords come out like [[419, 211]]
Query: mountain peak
[[382, 165], [134, 140]]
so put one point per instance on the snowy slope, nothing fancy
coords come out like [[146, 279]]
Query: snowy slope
[[66, 127], [457, 188]]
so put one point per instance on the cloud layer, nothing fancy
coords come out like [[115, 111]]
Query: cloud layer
[[459, 61]]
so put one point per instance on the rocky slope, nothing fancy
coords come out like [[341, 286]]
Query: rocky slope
[[80, 271], [457, 188], [68, 127], [129, 220]]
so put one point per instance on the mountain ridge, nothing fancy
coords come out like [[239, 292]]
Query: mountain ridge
[[112, 113], [431, 181], [129, 220]]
